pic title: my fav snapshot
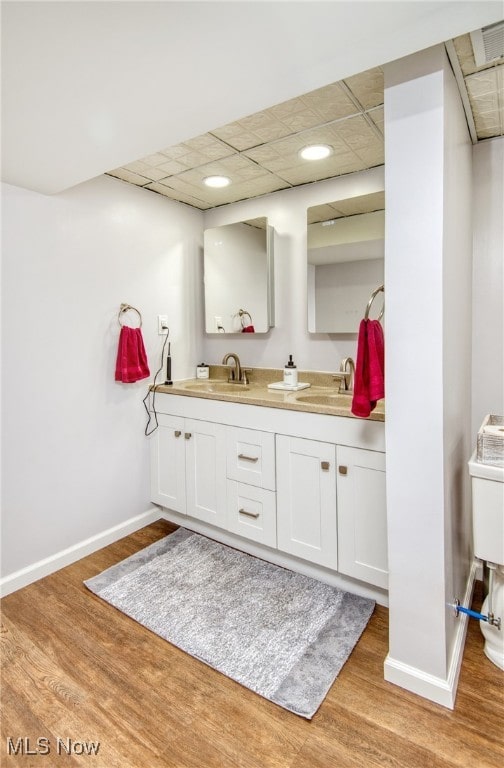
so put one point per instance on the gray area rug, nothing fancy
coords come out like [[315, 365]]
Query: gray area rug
[[283, 635]]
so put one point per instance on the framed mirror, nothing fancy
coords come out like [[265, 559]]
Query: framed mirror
[[346, 249], [238, 274]]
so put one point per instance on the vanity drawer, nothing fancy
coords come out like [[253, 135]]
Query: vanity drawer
[[251, 457], [251, 512]]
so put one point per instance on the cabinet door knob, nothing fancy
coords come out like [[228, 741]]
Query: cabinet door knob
[[342, 469], [248, 458], [248, 514], [187, 435], [324, 465], [177, 433]]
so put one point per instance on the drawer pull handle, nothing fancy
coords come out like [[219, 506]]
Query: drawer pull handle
[[324, 465], [248, 514], [342, 469], [177, 433], [253, 459], [187, 435]]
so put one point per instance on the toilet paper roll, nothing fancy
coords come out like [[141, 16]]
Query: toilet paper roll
[[495, 429]]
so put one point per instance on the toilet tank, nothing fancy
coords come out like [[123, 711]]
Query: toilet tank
[[488, 510]]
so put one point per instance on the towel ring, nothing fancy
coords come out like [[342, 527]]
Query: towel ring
[[371, 299], [126, 308], [242, 313]]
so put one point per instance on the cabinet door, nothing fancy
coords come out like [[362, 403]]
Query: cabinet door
[[362, 515], [168, 464], [306, 499], [205, 444]]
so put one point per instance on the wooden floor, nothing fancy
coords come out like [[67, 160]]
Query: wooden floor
[[76, 671]]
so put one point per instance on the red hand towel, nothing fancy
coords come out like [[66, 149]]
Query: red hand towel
[[369, 384], [248, 329], [131, 363]]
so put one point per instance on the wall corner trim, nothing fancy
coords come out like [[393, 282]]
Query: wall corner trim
[[439, 690], [48, 565]]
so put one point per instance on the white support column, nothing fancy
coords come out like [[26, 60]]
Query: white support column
[[424, 132]]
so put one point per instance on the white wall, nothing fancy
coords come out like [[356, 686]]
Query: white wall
[[488, 282], [427, 277], [74, 456], [286, 212]]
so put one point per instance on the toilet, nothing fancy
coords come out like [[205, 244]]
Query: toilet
[[488, 532]]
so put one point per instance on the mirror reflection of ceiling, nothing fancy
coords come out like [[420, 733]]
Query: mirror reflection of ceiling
[[260, 153]]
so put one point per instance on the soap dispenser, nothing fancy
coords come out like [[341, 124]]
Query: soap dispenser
[[290, 373]]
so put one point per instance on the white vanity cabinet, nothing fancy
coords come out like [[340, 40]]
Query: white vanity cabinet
[[306, 499], [362, 515], [188, 468], [303, 490]]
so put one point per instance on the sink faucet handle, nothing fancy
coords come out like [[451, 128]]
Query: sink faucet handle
[[244, 377], [341, 378]]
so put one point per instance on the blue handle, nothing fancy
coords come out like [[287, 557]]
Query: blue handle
[[474, 614]]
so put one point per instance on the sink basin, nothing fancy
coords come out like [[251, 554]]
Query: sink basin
[[217, 386], [337, 401]]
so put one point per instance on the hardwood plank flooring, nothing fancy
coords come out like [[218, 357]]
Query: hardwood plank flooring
[[74, 668]]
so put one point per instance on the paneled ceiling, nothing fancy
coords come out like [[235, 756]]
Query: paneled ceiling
[[260, 153]]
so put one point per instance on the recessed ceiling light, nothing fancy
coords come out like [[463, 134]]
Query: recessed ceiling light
[[316, 152], [216, 181]]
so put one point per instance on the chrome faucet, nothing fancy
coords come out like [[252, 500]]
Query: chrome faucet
[[345, 376], [235, 374]]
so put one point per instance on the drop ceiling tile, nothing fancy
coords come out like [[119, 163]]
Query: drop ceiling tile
[[300, 121], [258, 121], [324, 169], [373, 155], [378, 117], [487, 127], [240, 169], [482, 83], [195, 151], [284, 154], [330, 102], [240, 190], [209, 145], [129, 176], [356, 133], [141, 168], [172, 167], [152, 160], [271, 131], [162, 189], [241, 135], [367, 87], [175, 152], [240, 139], [464, 50]]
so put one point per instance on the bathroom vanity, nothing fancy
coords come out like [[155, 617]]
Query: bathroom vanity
[[290, 477]]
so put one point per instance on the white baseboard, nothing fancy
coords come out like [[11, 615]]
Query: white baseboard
[[441, 691], [48, 565]]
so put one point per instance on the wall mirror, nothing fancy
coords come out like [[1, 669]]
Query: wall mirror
[[346, 241], [238, 274]]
